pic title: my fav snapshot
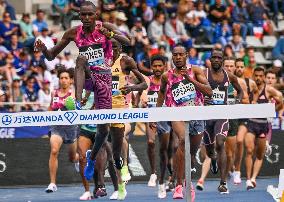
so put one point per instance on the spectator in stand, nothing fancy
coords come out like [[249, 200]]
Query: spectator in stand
[[193, 57], [47, 40], [250, 53], [162, 50], [279, 70], [30, 94], [135, 11], [3, 98], [27, 30], [248, 72], [218, 12], [222, 33], [174, 29], [15, 47], [240, 18], [6, 66], [184, 7], [6, 7], [17, 94], [39, 23], [63, 9], [67, 60], [139, 37], [44, 95], [143, 61], [148, 14], [228, 51], [7, 28], [237, 43], [278, 50], [156, 29], [21, 63], [41, 74], [120, 23]]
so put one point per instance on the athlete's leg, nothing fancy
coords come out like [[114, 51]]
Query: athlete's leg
[[205, 168], [55, 145], [222, 159], [101, 136], [111, 167], [151, 139], [72, 152], [259, 154], [249, 144], [84, 144], [164, 143], [81, 64], [117, 134], [240, 147], [195, 141], [230, 147], [127, 131]]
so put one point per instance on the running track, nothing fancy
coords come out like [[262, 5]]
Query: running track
[[140, 193]]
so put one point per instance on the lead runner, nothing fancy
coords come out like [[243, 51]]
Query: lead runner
[[93, 65]]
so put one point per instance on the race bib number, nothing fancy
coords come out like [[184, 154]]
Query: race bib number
[[115, 85], [152, 99], [184, 91], [55, 99], [94, 54], [218, 97]]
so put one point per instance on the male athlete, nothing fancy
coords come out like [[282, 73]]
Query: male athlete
[[93, 64], [255, 140], [182, 86], [217, 130]]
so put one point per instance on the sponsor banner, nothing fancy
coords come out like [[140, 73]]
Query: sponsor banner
[[24, 132], [136, 115], [30, 165]]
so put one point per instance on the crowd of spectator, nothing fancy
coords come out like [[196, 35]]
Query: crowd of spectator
[[154, 26]]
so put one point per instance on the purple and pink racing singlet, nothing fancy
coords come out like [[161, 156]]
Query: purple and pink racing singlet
[[98, 51], [152, 93], [58, 102], [181, 92]]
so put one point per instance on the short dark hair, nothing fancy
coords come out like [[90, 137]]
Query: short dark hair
[[88, 3], [180, 45], [158, 57], [40, 11], [62, 69], [259, 69], [270, 71], [229, 58]]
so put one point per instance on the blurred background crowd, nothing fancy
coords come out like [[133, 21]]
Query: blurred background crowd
[[248, 29]]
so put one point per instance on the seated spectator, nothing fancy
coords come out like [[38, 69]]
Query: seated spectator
[[120, 23], [278, 50], [15, 47], [248, 72], [193, 57], [17, 94], [62, 9], [156, 29], [184, 7], [27, 30], [6, 7], [240, 18], [143, 60], [4, 98], [67, 60], [250, 53], [148, 14], [218, 12], [47, 40], [6, 65], [241, 53], [21, 63], [176, 32], [37, 58], [39, 23], [228, 51], [7, 28], [135, 11], [279, 70], [30, 94], [44, 95], [162, 50], [222, 33], [237, 43]]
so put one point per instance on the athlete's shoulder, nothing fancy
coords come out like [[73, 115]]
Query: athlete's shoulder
[[110, 26], [129, 62], [71, 32]]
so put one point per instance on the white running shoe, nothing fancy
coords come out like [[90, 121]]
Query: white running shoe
[[51, 188], [162, 193], [249, 185], [237, 177], [77, 167], [86, 196], [152, 180], [114, 196]]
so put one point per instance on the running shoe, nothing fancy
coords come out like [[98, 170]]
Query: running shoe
[[77, 167], [162, 193], [121, 191], [178, 192], [237, 178], [214, 166], [223, 188], [253, 182], [152, 180], [249, 185], [51, 188], [170, 187], [89, 168], [200, 185], [86, 196], [100, 191], [114, 196], [125, 175]]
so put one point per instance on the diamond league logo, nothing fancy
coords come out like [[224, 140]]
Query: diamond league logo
[[70, 116], [7, 120]]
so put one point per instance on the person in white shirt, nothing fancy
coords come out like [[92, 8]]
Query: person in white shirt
[[47, 40], [156, 28], [67, 60], [120, 22], [44, 95]]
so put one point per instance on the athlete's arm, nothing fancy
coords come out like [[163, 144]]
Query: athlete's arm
[[161, 94], [201, 83], [254, 90], [237, 87], [243, 85], [276, 95], [51, 102], [119, 37], [53, 52]]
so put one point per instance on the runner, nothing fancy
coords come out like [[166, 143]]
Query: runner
[[217, 130], [182, 86], [158, 66], [253, 93], [94, 63], [255, 140], [62, 134]]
